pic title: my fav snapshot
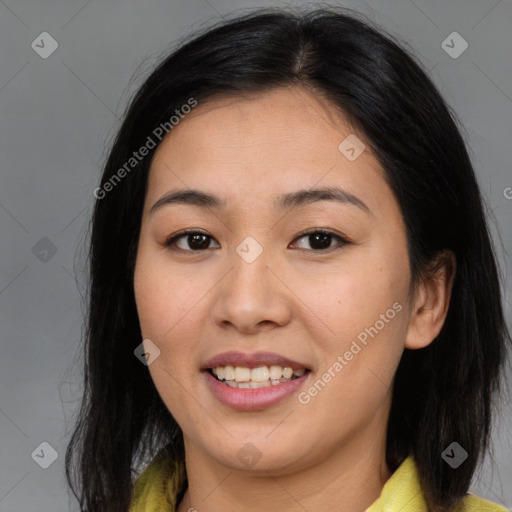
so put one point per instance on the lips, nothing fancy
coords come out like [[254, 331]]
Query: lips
[[254, 360], [253, 399], [247, 400]]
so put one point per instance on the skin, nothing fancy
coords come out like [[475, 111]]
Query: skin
[[302, 302]]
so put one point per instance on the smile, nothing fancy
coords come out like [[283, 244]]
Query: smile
[[242, 377]]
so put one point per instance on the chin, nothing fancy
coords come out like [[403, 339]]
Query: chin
[[257, 454]]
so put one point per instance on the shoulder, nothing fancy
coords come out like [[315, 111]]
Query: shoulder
[[157, 488], [404, 491], [472, 503]]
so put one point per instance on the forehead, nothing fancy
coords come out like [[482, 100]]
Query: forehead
[[260, 145], [283, 115]]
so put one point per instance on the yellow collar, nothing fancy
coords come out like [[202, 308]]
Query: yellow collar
[[158, 487]]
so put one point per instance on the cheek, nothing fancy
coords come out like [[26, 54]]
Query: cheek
[[165, 304], [353, 298], [172, 310], [365, 310], [360, 352], [164, 298]]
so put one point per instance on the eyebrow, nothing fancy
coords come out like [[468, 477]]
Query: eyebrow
[[290, 200]]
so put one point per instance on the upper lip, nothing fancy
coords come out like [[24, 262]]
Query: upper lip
[[253, 360]]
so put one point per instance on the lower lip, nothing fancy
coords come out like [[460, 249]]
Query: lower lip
[[252, 399]]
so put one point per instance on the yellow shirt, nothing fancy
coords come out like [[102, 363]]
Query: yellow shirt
[[157, 489]]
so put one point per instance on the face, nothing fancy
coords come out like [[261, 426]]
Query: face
[[256, 277]]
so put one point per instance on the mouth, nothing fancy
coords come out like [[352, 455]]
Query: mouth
[[243, 377], [253, 381]]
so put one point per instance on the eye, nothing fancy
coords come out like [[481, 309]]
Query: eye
[[197, 240], [320, 239]]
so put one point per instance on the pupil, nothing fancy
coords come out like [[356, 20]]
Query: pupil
[[196, 238], [324, 240]]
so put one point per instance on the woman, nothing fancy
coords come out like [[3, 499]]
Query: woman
[[294, 298]]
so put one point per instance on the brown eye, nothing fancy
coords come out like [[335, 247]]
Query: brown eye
[[320, 239], [196, 241]]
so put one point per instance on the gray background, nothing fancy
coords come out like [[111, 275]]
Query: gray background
[[57, 117]]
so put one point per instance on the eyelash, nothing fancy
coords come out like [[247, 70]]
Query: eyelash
[[342, 241]]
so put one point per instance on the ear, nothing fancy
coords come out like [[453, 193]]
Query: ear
[[431, 302]]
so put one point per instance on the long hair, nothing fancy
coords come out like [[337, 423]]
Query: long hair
[[442, 393]]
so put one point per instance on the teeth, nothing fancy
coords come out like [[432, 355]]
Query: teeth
[[262, 376], [242, 374], [259, 374], [287, 373], [276, 372], [229, 372]]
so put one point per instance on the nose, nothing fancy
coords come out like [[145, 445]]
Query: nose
[[252, 297]]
